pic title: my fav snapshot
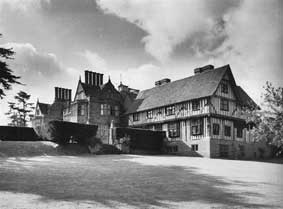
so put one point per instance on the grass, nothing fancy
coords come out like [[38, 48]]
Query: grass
[[129, 181]]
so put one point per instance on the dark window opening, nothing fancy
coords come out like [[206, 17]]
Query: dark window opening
[[195, 147], [224, 88], [136, 117], [195, 105], [216, 128], [239, 132], [224, 105], [227, 131], [158, 127]]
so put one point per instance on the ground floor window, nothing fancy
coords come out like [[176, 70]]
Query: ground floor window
[[174, 129], [195, 147], [197, 127], [223, 150]]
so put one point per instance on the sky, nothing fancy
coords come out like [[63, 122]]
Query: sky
[[139, 41]]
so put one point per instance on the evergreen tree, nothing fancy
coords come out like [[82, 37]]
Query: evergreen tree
[[19, 112], [7, 78]]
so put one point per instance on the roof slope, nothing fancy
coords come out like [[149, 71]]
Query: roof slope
[[193, 87], [245, 99], [43, 107]]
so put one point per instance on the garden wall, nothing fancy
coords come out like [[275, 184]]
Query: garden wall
[[12, 133]]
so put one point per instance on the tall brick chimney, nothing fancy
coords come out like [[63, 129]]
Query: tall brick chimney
[[93, 78], [62, 94]]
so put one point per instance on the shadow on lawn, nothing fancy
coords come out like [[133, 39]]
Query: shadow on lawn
[[110, 178]]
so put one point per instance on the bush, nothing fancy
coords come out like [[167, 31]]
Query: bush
[[62, 132]]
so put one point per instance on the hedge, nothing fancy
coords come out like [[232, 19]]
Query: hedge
[[62, 132], [142, 139], [13, 133]]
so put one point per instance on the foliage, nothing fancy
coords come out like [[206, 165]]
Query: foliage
[[62, 132], [19, 112], [7, 78], [269, 123]]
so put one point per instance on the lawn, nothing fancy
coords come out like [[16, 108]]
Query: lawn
[[129, 181]]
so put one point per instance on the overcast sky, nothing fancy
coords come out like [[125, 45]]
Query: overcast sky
[[140, 41]]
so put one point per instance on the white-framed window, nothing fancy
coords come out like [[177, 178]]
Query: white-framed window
[[197, 127], [170, 110], [174, 129], [81, 109], [105, 109], [136, 117], [149, 114]]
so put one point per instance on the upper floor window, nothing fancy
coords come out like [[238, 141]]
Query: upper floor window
[[224, 104], [81, 109], [174, 130], [224, 87], [227, 130], [105, 109], [136, 117], [184, 106], [239, 132], [215, 129], [197, 127], [149, 114], [115, 110], [195, 105], [170, 110]]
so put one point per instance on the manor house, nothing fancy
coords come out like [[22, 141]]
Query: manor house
[[202, 114]]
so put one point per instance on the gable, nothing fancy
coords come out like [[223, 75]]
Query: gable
[[226, 87], [80, 93]]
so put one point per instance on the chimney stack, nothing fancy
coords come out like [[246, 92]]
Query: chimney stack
[[203, 69], [162, 82], [93, 78], [62, 94]]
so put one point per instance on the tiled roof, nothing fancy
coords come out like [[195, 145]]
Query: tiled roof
[[193, 87], [244, 98], [90, 90], [43, 108]]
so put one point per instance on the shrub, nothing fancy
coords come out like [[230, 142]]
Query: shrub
[[62, 132]]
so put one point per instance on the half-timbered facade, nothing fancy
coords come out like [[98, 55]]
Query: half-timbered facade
[[201, 114]]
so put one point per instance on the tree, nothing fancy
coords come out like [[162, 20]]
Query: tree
[[7, 78], [269, 123], [19, 112]]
